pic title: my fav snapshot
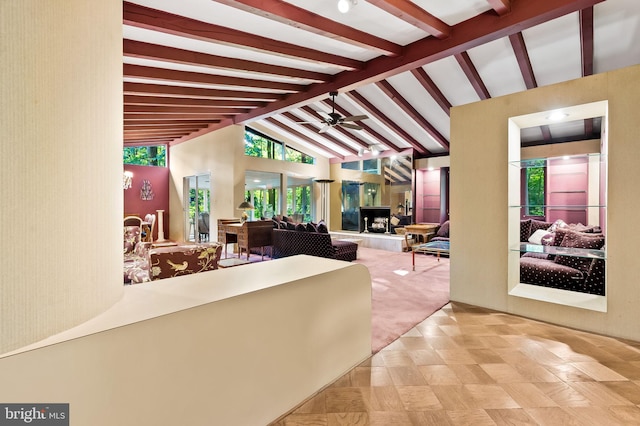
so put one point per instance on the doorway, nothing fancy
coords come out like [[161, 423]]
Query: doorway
[[197, 203]]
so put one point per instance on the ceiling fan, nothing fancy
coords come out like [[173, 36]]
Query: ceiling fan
[[334, 119]]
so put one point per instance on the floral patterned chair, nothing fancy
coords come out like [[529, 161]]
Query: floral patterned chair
[[136, 253], [167, 262]]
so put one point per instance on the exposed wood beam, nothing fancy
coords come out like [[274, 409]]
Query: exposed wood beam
[[155, 20], [200, 111], [586, 40], [167, 123], [500, 6], [524, 62], [326, 136], [414, 15], [344, 132], [138, 49], [197, 92], [393, 174], [372, 110], [465, 35], [297, 17], [305, 138], [423, 78], [159, 101], [472, 74], [166, 117], [366, 128], [162, 74], [408, 109], [588, 128], [546, 132]]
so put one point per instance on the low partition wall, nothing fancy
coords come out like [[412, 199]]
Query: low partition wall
[[241, 345]]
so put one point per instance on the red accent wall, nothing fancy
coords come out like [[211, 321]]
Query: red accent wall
[[134, 205], [428, 196], [567, 190]]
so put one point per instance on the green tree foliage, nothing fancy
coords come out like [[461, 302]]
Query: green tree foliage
[[145, 155], [535, 190]]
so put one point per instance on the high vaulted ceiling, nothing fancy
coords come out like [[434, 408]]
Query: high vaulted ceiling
[[195, 66]]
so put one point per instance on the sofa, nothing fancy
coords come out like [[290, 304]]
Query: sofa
[[288, 242], [143, 262], [442, 232], [574, 273]]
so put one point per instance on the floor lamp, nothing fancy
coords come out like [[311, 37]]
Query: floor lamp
[[324, 198]]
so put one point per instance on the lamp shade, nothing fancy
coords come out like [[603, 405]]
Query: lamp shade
[[245, 205]]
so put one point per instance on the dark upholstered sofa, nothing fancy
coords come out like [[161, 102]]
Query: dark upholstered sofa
[[288, 242], [442, 232], [581, 274]]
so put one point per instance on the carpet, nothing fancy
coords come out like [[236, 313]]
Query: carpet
[[400, 297]]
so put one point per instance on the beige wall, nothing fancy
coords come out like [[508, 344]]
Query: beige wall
[[60, 165], [221, 153], [479, 202]]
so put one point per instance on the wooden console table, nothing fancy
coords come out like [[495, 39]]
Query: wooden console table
[[248, 234]]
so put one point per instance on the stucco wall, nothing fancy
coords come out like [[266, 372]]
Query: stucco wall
[[479, 134]]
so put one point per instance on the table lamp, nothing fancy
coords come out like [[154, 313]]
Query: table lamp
[[244, 206]]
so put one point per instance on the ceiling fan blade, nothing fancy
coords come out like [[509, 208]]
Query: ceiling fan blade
[[324, 129], [355, 118], [350, 126]]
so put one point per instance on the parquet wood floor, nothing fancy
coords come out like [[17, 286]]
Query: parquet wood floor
[[471, 366]]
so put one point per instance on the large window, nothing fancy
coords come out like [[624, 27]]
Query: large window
[[535, 184], [145, 155], [300, 199], [258, 144]]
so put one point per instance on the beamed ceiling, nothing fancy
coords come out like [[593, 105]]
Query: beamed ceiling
[[196, 66]]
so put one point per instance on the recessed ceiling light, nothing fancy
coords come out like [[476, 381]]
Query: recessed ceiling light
[[345, 5], [557, 115]]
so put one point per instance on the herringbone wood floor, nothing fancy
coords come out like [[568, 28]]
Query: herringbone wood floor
[[470, 366]]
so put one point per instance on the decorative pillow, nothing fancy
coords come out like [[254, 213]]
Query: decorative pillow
[[276, 223], [538, 224], [579, 240], [322, 227], [525, 230], [283, 225], [443, 231], [558, 224], [291, 226], [540, 235], [394, 221], [300, 227], [312, 227]]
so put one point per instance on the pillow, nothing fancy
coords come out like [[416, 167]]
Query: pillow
[[395, 221], [443, 231], [538, 224], [322, 228], [579, 240], [312, 227], [525, 230], [290, 226], [540, 235], [558, 224], [300, 227]]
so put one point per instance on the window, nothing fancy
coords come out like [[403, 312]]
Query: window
[[351, 165], [371, 166], [257, 144], [535, 185], [300, 199], [145, 155]]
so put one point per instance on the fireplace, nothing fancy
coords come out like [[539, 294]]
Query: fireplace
[[377, 218]]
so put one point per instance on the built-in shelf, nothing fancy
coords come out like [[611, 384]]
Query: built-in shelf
[[562, 251]]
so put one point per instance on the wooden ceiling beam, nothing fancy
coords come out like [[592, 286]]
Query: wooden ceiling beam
[[524, 62], [294, 16], [159, 101], [167, 117], [168, 123], [162, 74], [472, 75], [198, 110], [141, 50], [163, 90], [500, 6], [412, 14], [586, 40], [371, 109], [408, 109], [304, 137], [423, 78], [168, 23], [465, 35]]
